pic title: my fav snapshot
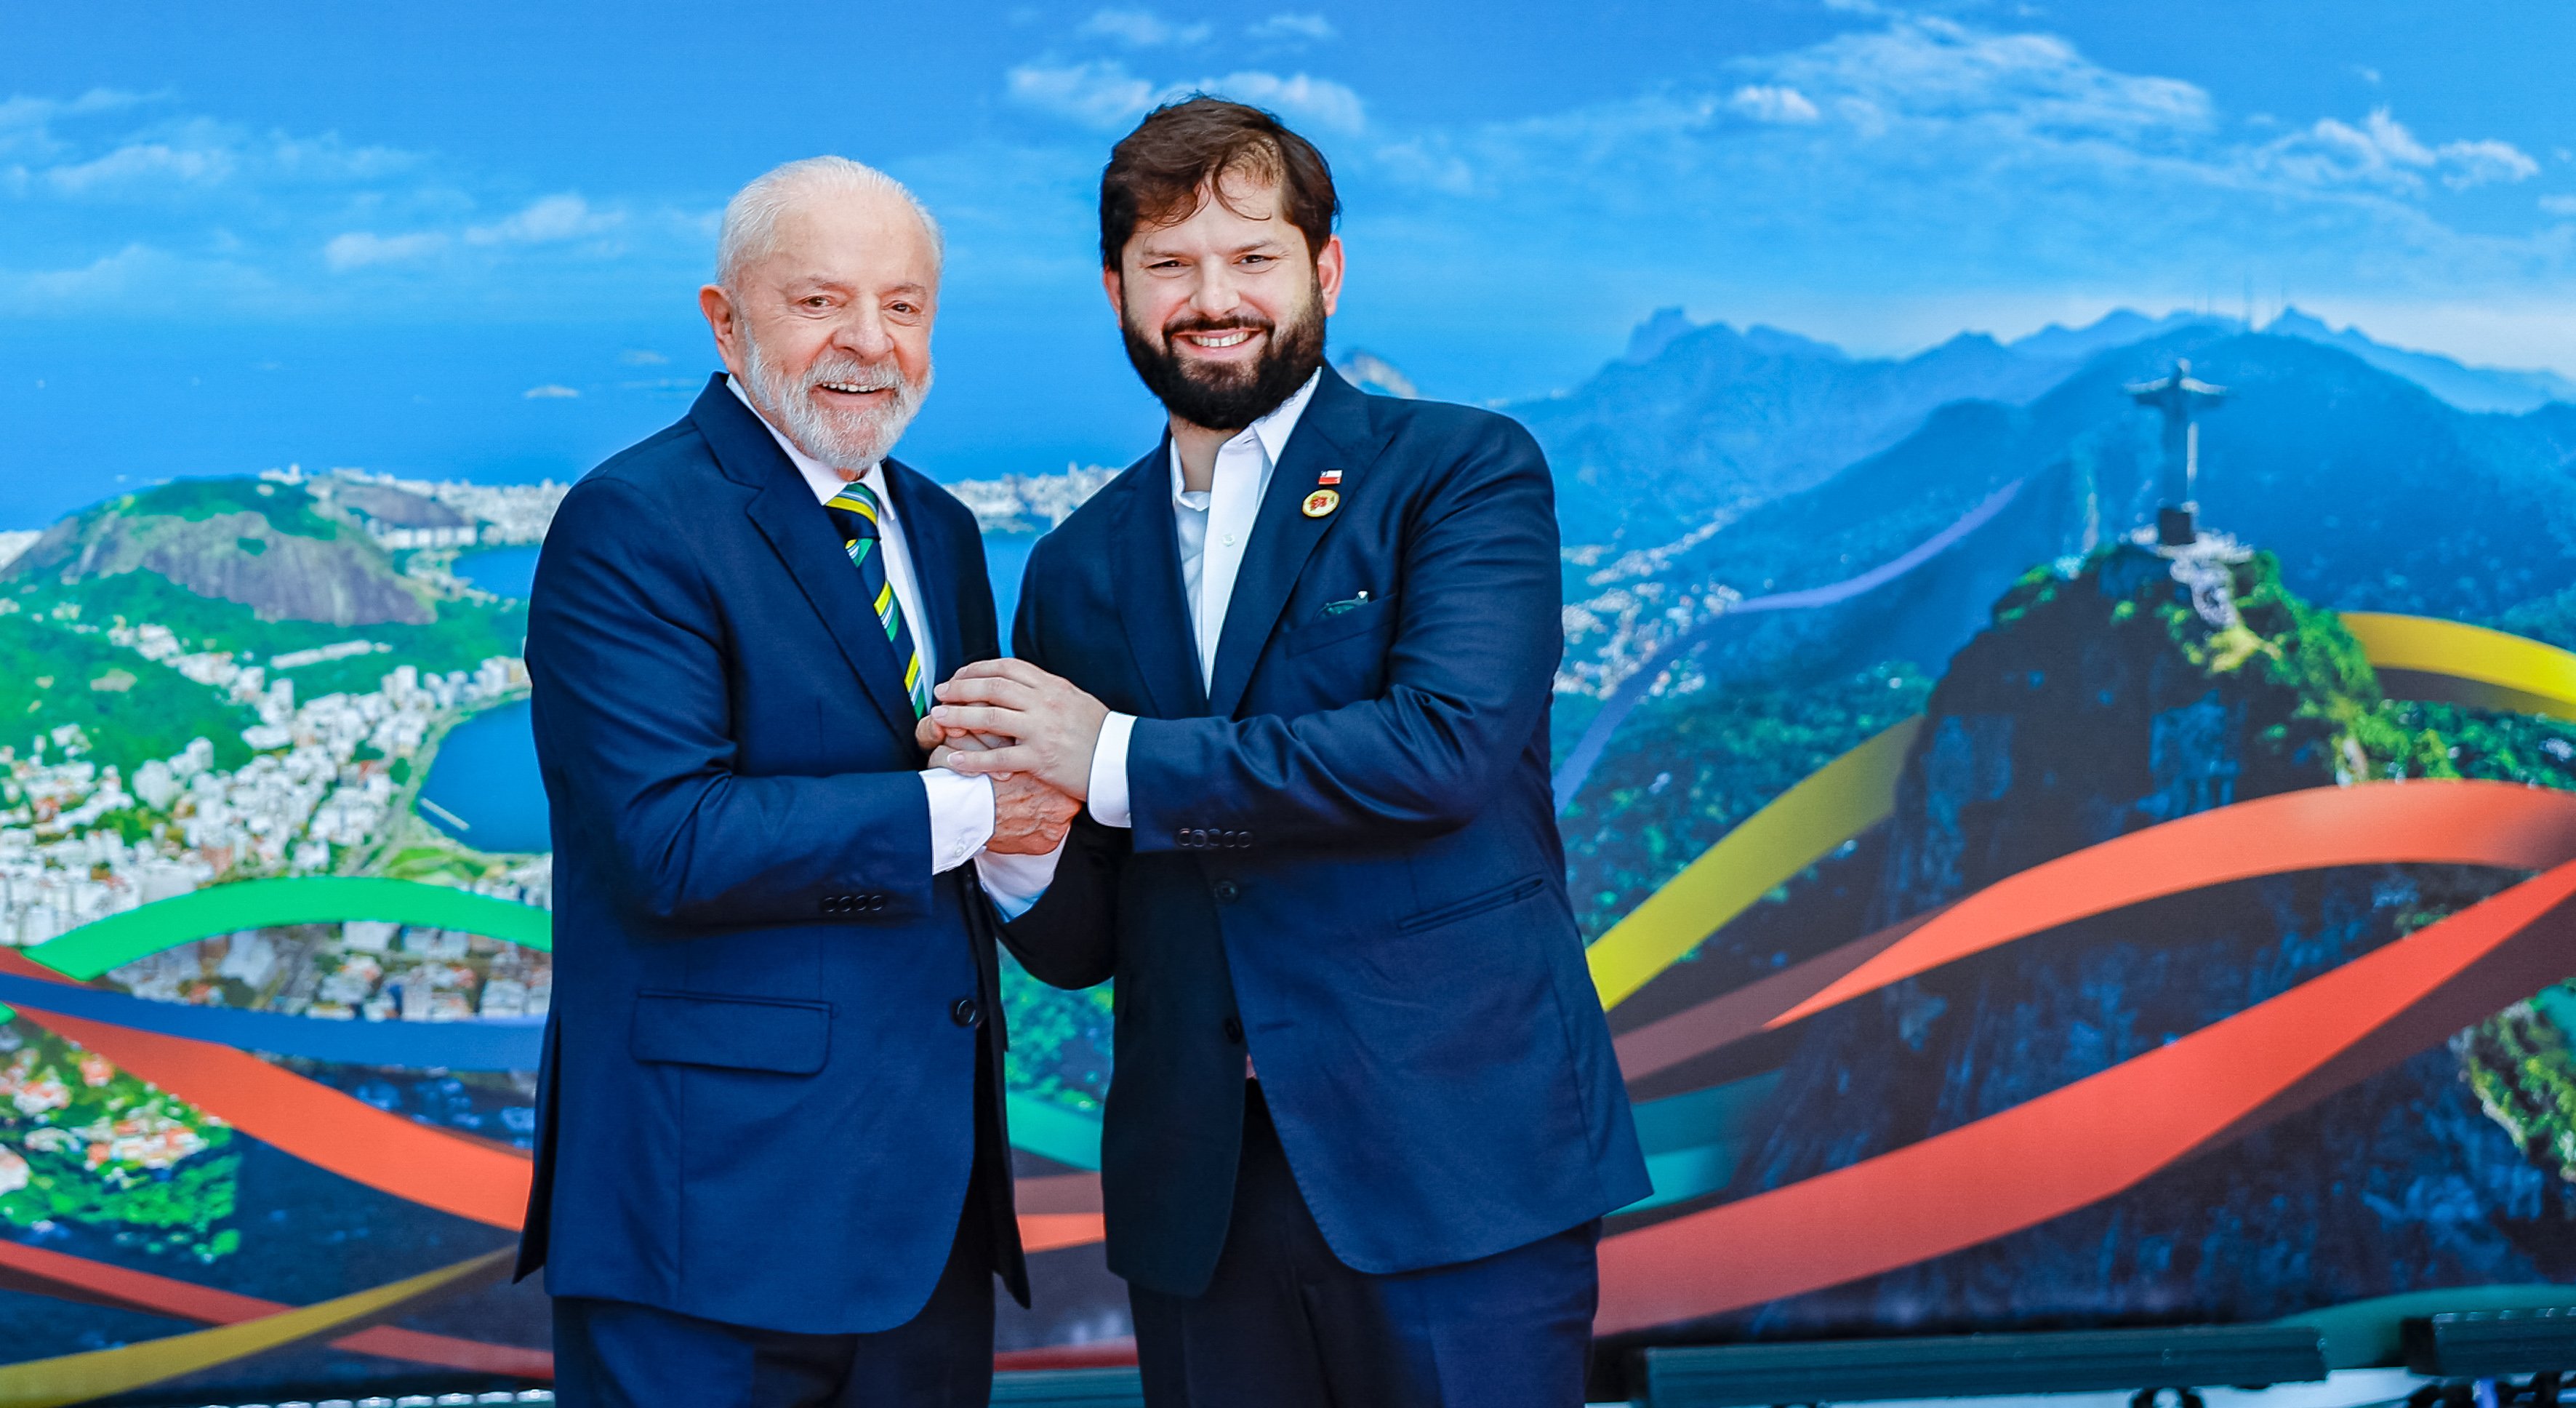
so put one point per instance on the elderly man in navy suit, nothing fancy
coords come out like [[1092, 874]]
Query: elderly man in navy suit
[[772, 1166], [1365, 1118]]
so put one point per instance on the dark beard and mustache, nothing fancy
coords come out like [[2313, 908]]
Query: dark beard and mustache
[[1225, 397]]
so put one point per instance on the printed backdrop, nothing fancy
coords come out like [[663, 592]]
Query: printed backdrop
[[2008, 921]]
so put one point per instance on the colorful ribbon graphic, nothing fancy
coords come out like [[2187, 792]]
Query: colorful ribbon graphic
[[2073, 1146], [77, 1378]]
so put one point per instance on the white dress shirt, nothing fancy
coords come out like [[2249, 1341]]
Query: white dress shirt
[[961, 807], [1214, 527]]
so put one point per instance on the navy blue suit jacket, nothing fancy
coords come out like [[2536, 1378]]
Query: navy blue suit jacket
[[1344, 854], [758, 1104]]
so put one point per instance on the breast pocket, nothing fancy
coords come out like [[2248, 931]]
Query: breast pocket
[[1338, 627]]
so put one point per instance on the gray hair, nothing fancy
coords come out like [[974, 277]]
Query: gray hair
[[751, 218]]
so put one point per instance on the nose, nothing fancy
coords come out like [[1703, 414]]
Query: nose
[[864, 334], [1216, 294]]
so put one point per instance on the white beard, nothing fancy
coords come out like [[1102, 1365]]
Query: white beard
[[847, 440]]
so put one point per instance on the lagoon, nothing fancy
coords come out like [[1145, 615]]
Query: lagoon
[[484, 781], [502, 571]]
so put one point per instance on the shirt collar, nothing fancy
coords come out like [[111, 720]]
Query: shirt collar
[[1271, 431], [824, 480]]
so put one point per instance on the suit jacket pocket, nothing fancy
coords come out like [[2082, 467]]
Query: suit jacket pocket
[[1377, 615], [779, 1034], [1484, 902]]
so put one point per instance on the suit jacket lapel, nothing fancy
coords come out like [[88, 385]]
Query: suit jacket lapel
[[1330, 434], [798, 530], [939, 562], [1155, 609]]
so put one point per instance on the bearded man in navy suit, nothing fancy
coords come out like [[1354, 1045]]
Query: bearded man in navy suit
[[771, 1166], [1365, 1117]]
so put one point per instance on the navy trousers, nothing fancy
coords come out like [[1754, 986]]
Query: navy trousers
[[617, 1354], [1285, 1324]]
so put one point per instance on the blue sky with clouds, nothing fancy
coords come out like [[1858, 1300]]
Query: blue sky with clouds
[[464, 238]]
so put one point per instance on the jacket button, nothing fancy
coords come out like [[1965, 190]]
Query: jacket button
[[1234, 1030], [965, 1012], [876, 903], [1227, 892], [1192, 837]]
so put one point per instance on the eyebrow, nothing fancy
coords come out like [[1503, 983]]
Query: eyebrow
[[1154, 251], [805, 283]]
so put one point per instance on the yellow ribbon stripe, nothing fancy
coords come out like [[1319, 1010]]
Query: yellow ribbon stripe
[[2471, 664], [78, 1378], [2501, 671], [1802, 826]]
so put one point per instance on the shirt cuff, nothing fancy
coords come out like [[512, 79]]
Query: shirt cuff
[[961, 817], [1014, 883], [1108, 790]]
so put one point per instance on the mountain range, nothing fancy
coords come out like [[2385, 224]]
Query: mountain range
[[1703, 424], [1712, 463]]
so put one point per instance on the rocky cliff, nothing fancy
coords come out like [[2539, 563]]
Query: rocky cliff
[[271, 547], [2124, 693]]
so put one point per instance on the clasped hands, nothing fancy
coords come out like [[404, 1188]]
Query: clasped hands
[[1031, 733]]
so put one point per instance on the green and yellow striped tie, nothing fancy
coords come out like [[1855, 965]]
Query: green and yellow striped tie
[[854, 511]]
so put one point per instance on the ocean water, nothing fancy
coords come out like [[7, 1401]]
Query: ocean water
[[504, 571], [485, 776], [483, 789]]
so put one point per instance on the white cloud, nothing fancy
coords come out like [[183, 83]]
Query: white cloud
[[1295, 29], [1929, 69], [1764, 103], [1099, 94], [2383, 152], [179, 157], [2559, 205], [1103, 94], [549, 393], [547, 221], [359, 248], [1299, 97], [1945, 168], [640, 357], [146, 164], [1143, 28], [2477, 163]]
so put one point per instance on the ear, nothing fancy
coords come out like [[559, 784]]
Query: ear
[[1328, 274], [725, 322], [1113, 281]]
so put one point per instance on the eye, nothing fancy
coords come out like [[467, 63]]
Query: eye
[[1260, 258]]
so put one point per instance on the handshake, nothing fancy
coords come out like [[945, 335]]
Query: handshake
[[1030, 732]]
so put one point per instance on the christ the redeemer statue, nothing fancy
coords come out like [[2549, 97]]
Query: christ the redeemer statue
[[2177, 396]]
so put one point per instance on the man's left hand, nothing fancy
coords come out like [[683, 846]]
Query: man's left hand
[[1056, 725]]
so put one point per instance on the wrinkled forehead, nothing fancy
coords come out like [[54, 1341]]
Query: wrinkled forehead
[[863, 238]]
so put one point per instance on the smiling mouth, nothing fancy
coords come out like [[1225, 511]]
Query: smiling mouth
[[1217, 340], [851, 388]]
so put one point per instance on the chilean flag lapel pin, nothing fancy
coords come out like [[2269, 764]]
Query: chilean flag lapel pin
[[1325, 498]]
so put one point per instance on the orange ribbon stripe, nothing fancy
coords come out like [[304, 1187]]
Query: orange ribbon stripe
[[2439, 822], [96, 1282], [2099, 1136]]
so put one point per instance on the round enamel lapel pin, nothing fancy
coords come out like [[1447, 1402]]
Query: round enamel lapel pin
[[1321, 502]]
